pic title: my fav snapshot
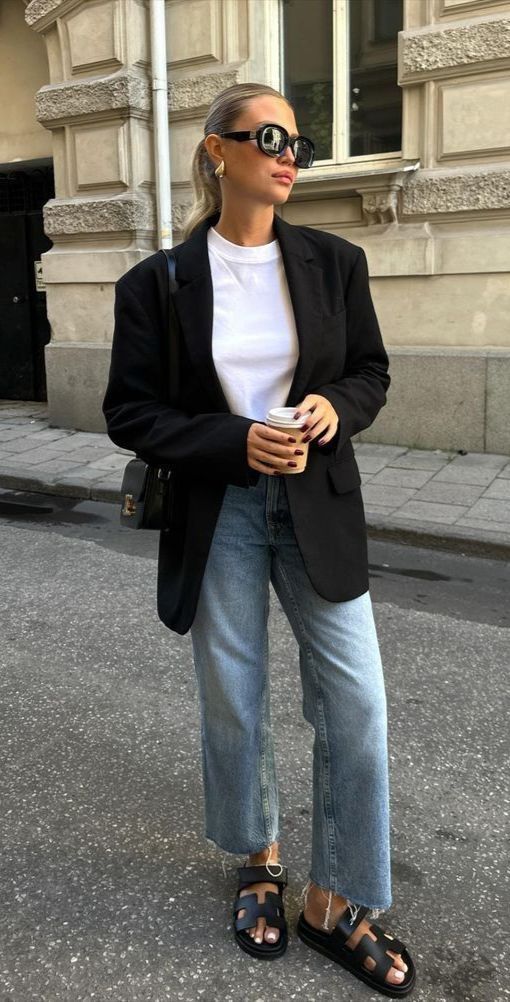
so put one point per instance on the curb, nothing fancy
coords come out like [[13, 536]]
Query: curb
[[439, 537], [431, 536], [84, 490]]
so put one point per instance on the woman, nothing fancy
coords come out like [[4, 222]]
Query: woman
[[271, 315]]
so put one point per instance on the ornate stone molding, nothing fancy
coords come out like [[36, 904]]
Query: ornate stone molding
[[193, 93], [378, 187], [123, 91], [439, 50], [39, 9], [65, 217], [380, 206], [179, 212], [467, 190]]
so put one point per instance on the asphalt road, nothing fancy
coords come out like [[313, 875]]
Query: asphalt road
[[108, 888]]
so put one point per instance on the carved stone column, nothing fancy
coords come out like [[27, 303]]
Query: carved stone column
[[101, 222]]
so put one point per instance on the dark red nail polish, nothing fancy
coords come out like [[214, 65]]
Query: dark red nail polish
[[298, 452], [291, 464], [306, 438], [292, 439]]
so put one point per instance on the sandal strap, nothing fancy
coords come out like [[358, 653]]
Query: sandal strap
[[260, 874], [391, 942], [248, 921], [271, 909], [377, 950], [274, 901], [346, 926]]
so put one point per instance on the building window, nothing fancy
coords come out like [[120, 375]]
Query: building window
[[339, 70]]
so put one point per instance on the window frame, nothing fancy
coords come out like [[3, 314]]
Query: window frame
[[341, 97]]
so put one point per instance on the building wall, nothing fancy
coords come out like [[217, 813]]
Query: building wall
[[23, 69], [434, 221]]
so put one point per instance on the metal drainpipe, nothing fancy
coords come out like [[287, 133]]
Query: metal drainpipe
[[160, 119]]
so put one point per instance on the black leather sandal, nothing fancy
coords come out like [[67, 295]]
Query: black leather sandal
[[272, 909], [332, 945]]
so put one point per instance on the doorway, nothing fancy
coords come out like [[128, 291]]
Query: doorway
[[24, 327]]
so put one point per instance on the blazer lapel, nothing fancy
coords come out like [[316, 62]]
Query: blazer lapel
[[194, 305]]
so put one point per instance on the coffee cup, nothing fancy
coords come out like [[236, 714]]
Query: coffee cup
[[282, 418]]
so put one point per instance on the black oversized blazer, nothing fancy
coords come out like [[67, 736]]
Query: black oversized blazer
[[341, 357]]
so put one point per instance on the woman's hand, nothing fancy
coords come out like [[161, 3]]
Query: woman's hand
[[270, 450], [324, 418]]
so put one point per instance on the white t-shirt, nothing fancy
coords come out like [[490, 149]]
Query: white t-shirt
[[254, 340]]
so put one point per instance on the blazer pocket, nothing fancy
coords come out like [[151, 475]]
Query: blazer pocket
[[344, 475]]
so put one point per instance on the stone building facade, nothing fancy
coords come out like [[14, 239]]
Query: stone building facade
[[433, 218]]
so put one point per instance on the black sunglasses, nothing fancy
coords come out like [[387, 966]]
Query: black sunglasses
[[274, 139]]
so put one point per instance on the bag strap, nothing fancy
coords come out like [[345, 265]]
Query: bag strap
[[174, 327]]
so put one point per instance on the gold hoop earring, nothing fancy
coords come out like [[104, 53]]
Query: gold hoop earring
[[220, 170]]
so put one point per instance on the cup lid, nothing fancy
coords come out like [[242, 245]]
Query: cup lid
[[285, 415]]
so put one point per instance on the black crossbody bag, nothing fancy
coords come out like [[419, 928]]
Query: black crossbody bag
[[145, 488]]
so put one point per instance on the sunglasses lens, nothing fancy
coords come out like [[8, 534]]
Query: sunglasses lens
[[273, 142], [303, 152]]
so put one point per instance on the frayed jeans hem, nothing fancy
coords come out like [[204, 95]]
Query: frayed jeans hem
[[242, 852], [374, 909]]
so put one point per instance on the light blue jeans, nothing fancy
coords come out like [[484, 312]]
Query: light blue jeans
[[344, 700]]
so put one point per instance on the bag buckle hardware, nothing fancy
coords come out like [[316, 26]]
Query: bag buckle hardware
[[164, 473], [129, 506]]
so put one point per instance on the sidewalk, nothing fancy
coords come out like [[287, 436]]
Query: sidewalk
[[430, 498]]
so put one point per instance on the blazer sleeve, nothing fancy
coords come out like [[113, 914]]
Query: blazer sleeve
[[359, 394], [137, 418]]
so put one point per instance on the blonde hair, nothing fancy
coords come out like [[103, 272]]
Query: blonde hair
[[222, 117]]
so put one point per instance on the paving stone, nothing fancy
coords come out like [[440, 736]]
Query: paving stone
[[85, 473], [376, 511], [402, 477], [491, 510], [71, 443], [421, 461], [438, 490], [45, 435], [480, 459], [505, 471], [54, 466], [370, 464], [381, 451], [500, 488], [483, 475], [33, 457], [10, 434], [427, 511], [88, 454], [481, 524], [19, 446], [388, 496], [79, 439], [111, 462]]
